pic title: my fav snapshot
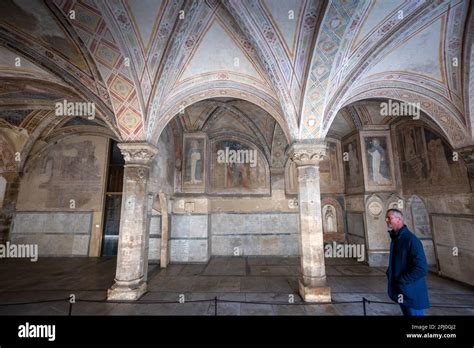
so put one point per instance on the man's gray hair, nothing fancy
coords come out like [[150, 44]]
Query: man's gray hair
[[395, 212]]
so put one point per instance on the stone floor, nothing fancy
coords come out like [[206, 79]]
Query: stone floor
[[243, 286]]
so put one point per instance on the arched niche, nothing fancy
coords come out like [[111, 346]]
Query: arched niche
[[291, 178], [394, 201], [333, 223]]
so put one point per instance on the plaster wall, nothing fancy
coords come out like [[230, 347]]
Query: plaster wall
[[60, 200]]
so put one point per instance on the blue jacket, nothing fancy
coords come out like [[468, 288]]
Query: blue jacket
[[407, 269]]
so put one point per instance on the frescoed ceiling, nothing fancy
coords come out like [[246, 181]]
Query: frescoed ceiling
[[301, 61], [35, 20], [409, 51], [145, 16], [27, 68], [13, 117], [286, 16]]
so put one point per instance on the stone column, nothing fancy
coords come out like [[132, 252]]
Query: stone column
[[307, 156], [132, 255]]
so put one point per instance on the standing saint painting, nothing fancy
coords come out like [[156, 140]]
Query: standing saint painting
[[378, 169], [194, 163]]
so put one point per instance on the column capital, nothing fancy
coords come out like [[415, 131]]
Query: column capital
[[307, 153], [467, 153], [138, 153]]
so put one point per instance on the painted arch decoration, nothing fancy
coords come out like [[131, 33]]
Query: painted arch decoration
[[455, 132]]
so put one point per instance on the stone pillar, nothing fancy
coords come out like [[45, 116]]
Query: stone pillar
[[307, 156], [132, 255]]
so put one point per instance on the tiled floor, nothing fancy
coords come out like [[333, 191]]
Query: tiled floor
[[242, 285]]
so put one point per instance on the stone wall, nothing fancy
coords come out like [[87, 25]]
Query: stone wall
[[55, 233], [255, 225], [205, 225], [254, 234], [455, 246], [190, 230], [452, 221], [189, 238], [195, 234]]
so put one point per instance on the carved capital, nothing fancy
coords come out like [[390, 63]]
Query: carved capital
[[138, 153], [307, 153], [467, 154]]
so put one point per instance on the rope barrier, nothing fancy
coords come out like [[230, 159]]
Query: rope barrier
[[229, 301], [216, 300], [34, 302], [457, 305]]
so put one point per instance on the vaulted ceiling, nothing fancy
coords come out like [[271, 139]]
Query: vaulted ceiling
[[239, 119], [300, 61]]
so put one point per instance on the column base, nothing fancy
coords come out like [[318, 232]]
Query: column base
[[126, 293], [315, 294]]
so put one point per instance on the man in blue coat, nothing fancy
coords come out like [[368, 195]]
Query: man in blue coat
[[407, 267]]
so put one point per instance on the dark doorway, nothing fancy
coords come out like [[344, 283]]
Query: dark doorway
[[113, 201]]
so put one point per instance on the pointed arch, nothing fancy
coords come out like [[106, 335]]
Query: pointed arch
[[430, 104], [178, 102]]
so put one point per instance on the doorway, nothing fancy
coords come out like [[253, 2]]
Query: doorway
[[113, 201]]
